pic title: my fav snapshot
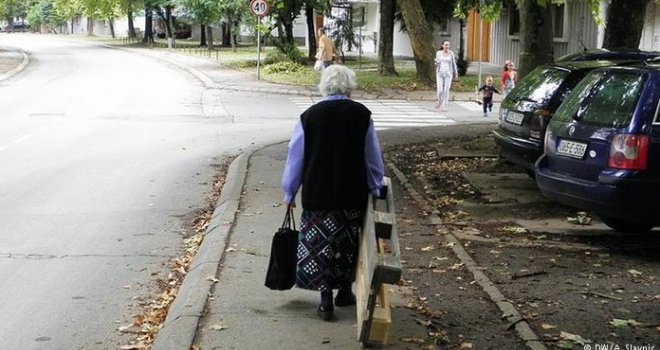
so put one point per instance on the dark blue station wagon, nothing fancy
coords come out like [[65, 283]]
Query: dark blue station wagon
[[527, 110], [602, 148]]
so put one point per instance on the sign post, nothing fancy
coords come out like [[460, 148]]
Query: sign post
[[259, 8]]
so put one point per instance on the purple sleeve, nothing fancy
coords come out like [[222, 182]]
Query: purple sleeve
[[374, 161], [292, 176]]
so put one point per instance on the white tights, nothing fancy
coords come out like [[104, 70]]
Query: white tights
[[443, 82]]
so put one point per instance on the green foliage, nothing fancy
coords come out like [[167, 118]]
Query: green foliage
[[490, 10], [284, 67], [204, 11], [275, 56], [291, 51]]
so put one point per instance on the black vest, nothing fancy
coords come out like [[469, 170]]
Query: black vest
[[334, 171]]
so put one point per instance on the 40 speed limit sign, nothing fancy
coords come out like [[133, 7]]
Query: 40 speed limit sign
[[259, 8]]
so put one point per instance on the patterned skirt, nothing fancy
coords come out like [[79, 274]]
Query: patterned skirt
[[328, 248]]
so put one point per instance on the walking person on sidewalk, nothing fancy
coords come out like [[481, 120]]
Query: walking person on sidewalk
[[445, 70], [335, 155], [325, 49]]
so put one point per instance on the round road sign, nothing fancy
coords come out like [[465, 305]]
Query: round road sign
[[259, 8]]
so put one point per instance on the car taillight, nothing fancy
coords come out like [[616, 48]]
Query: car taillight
[[538, 123], [629, 152], [547, 142]]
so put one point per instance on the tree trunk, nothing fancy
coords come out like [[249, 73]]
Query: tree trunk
[[148, 26], [535, 36], [202, 35], [90, 26], [311, 33], [169, 27], [234, 34], [225, 29], [386, 38], [421, 39], [112, 27], [209, 37], [131, 26], [625, 22]]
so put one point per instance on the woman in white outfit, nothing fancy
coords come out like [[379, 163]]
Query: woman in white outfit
[[445, 70]]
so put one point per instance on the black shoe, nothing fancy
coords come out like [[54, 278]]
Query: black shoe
[[325, 310], [324, 313], [345, 298]]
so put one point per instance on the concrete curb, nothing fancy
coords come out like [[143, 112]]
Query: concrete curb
[[17, 69], [509, 311], [180, 327]]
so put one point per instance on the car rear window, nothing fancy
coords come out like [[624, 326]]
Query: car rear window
[[539, 85], [610, 99]]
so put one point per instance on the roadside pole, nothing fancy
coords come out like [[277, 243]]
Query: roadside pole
[[258, 47], [259, 8]]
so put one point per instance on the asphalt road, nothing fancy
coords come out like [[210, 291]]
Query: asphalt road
[[105, 157]]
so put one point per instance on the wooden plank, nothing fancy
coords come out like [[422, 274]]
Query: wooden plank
[[382, 318], [379, 262], [383, 224], [364, 273]]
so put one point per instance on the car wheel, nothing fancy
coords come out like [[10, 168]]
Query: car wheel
[[627, 226]]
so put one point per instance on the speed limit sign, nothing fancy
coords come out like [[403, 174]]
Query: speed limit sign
[[259, 8]]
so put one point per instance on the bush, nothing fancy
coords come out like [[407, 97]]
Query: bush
[[284, 67], [275, 57]]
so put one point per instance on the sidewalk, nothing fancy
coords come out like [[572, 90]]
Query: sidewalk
[[12, 61]]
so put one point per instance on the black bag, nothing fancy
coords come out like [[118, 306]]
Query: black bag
[[281, 274]]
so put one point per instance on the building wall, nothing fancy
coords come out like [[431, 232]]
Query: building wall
[[651, 34], [102, 27], [580, 31]]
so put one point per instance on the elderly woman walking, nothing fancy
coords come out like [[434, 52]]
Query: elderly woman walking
[[335, 156]]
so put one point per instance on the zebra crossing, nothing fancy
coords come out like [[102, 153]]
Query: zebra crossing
[[390, 114]]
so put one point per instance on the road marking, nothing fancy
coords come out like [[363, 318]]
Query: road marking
[[18, 140], [390, 114], [21, 139]]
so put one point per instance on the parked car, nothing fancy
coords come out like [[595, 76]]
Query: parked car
[[604, 54], [602, 148], [527, 109]]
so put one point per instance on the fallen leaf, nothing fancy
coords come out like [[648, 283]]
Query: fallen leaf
[[635, 273], [218, 327], [548, 326], [466, 345], [624, 323], [212, 279], [574, 338], [412, 340], [427, 249], [424, 323], [581, 218], [513, 229]]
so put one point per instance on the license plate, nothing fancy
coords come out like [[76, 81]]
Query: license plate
[[514, 118], [571, 149]]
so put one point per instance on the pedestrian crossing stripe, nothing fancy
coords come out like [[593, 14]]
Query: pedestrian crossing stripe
[[391, 113], [470, 106]]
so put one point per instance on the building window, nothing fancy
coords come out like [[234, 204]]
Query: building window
[[444, 26], [559, 20], [514, 20]]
